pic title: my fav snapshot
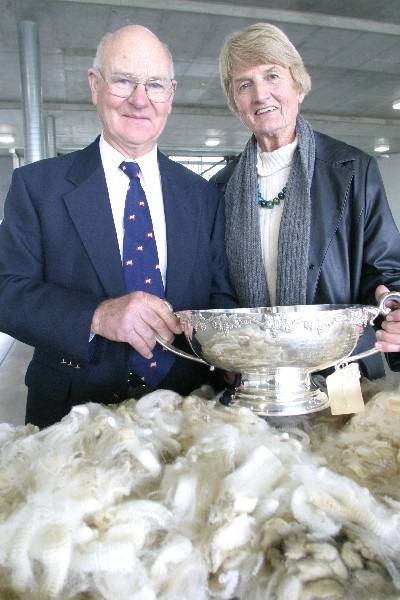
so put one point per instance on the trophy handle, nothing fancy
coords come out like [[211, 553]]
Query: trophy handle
[[381, 309], [181, 353]]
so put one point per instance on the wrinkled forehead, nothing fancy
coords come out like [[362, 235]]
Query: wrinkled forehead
[[144, 59], [243, 70]]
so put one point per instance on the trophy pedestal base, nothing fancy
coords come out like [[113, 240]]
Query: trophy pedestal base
[[278, 392]]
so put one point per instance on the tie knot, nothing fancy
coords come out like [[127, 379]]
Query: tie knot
[[130, 168]]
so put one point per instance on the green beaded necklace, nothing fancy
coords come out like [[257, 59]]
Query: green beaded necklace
[[271, 203]]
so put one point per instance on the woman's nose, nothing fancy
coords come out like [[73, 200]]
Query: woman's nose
[[261, 90]]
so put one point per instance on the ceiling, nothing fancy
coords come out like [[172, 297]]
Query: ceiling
[[350, 47]]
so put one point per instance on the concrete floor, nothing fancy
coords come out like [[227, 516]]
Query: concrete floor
[[14, 358]]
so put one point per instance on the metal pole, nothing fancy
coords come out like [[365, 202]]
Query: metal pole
[[51, 136], [31, 91]]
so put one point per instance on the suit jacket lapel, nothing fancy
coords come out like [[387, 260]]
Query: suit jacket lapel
[[182, 221], [89, 208]]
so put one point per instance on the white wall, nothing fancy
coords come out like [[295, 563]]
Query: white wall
[[390, 171]]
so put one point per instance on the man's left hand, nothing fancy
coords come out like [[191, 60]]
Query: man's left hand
[[388, 338]]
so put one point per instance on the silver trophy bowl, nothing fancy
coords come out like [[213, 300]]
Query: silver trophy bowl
[[276, 349]]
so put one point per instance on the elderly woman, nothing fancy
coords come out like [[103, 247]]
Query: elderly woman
[[307, 219]]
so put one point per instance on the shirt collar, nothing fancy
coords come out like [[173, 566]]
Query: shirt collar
[[112, 158]]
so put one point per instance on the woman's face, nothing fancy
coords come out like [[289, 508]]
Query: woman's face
[[267, 102]]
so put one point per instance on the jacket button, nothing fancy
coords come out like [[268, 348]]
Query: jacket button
[[311, 267]]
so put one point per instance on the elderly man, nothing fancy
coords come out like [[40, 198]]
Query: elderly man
[[94, 243]]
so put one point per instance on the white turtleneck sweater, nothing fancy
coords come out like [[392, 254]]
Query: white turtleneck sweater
[[273, 170]]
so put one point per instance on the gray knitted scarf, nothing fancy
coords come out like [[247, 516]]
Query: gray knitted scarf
[[243, 239]]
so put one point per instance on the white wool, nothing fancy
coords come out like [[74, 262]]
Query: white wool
[[228, 538], [174, 552], [253, 478], [306, 512], [184, 498], [175, 498]]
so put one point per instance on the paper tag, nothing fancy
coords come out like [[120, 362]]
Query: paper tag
[[344, 390]]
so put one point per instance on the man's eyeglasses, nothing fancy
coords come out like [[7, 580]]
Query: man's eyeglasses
[[157, 90]]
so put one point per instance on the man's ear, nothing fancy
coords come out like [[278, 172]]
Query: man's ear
[[174, 84], [93, 79]]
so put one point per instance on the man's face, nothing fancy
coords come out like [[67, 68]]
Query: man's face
[[132, 125]]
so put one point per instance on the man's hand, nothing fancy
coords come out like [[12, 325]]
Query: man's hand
[[389, 336], [136, 318]]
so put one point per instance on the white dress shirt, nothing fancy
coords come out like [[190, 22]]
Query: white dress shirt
[[117, 185], [273, 170]]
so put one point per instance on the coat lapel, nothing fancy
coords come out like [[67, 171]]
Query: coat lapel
[[329, 194], [182, 222], [89, 208]]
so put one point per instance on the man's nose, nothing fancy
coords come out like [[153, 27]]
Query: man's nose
[[139, 94]]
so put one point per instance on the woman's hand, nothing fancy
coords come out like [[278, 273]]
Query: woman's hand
[[388, 338]]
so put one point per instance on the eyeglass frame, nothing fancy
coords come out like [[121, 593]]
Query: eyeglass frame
[[136, 82]]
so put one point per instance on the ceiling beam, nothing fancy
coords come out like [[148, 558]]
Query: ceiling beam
[[258, 13]]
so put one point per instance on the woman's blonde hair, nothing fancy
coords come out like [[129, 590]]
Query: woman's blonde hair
[[261, 43]]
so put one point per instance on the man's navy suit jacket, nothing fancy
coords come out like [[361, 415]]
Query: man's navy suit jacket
[[59, 258]]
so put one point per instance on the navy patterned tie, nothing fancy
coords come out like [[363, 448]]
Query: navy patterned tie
[[141, 270]]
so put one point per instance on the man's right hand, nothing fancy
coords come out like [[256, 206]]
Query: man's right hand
[[136, 318]]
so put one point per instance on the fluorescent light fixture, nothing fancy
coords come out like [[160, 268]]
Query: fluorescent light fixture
[[396, 104], [6, 138], [212, 142], [382, 147]]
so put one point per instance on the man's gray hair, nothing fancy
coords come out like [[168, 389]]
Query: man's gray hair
[[98, 59]]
